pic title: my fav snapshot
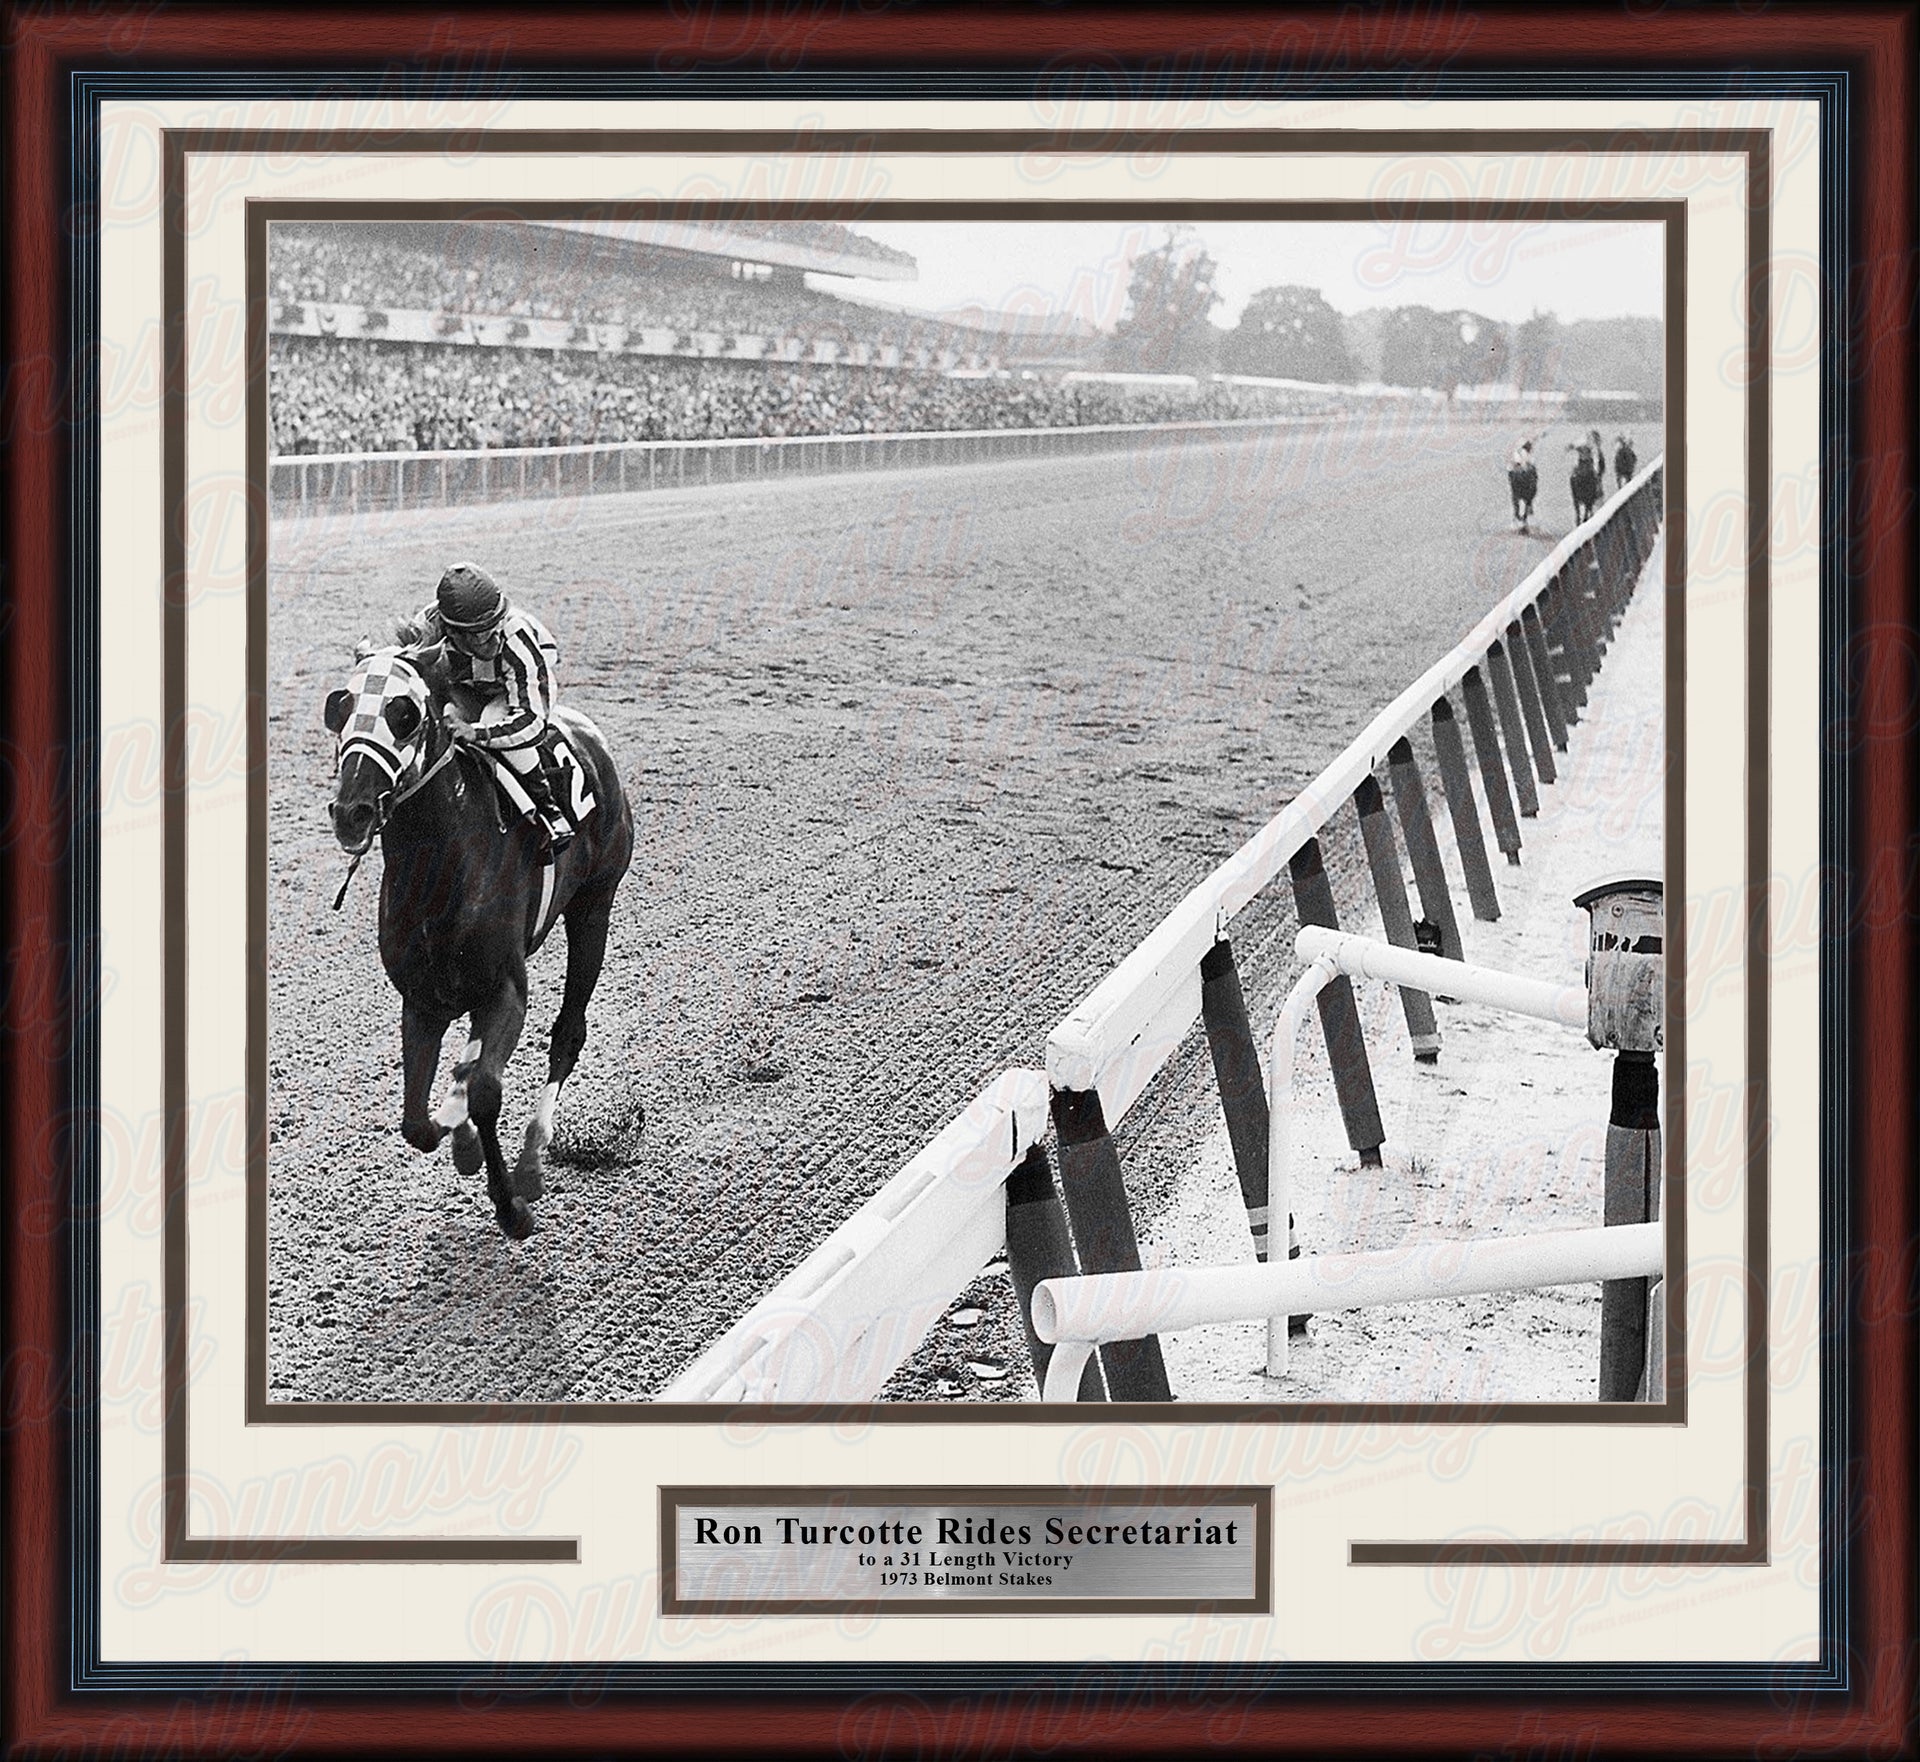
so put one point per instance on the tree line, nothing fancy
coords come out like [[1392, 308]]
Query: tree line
[[1291, 332]]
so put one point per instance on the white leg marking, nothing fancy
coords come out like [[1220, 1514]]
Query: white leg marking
[[453, 1111], [540, 925], [549, 1106]]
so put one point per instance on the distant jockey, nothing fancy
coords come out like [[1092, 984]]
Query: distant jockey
[[506, 660], [1523, 482]]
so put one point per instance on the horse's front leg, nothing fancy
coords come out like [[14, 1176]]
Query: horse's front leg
[[497, 1027], [420, 1037]]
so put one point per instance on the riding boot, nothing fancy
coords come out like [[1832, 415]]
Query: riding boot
[[559, 833]]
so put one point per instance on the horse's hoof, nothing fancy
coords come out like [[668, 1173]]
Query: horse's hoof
[[529, 1179], [516, 1222], [467, 1154], [423, 1135]]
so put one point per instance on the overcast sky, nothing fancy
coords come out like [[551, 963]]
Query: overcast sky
[[1506, 271]]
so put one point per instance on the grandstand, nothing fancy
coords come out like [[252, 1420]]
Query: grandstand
[[400, 337], [657, 288]]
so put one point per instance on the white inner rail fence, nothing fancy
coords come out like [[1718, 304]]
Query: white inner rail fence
[[465, 476]]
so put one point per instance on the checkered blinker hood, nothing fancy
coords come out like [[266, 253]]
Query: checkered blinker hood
[[382, 679]]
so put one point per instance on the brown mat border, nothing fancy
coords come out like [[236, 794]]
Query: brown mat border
[[180, 144]]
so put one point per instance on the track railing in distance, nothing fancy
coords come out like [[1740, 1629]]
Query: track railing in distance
[[837, 1326], [469, 476], [1117, 1038]]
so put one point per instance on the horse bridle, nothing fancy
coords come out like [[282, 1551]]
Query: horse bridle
[[393, 796]]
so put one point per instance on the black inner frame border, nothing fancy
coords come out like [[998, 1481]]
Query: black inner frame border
[[261, 1409]]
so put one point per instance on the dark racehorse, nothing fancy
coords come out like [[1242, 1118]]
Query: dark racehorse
[[463, 903], [1586, 481], [1624, 459], [1523, 484]]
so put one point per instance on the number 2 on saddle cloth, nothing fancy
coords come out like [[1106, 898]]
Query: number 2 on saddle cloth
[[568, 777]]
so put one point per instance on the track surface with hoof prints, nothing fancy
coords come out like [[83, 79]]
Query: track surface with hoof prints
[[915, 758]]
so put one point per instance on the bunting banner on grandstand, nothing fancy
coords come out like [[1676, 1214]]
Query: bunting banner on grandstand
[[1191, 1038]]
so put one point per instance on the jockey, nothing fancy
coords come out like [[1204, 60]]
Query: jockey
[[505, 659], [1522, 456]]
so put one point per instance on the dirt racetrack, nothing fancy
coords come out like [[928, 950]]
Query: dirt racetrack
[[915, 758]]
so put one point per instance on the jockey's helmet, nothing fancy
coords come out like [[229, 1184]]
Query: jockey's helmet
[[470, 600]]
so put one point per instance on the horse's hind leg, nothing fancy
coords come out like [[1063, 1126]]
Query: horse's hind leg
[[587, 922], [497, 1028]]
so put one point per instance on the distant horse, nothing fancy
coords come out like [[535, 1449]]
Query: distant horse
[[463, 903], [1624, 459], [1586, 481], [1523, 484]]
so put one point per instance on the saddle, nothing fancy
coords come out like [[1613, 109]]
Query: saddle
[[568, 776]]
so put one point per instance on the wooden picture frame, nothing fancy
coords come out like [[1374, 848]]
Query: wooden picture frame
[[61, 1695]]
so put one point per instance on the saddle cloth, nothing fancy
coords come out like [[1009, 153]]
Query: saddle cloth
[[571, 788]]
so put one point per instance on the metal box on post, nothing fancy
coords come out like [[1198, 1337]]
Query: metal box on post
[[1626, 991], [1626, 986]]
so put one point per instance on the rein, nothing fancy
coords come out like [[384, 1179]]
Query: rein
[[394, 798]]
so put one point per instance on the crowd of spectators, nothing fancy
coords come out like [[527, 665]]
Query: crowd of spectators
[[332, 395], [527, 272]]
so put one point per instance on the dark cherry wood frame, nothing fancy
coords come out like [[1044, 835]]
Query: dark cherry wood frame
[[1880, 673]]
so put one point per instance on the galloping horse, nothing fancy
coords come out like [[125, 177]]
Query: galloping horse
[[463, 903], [1624, 458], [1586, 481], [1523, 484]]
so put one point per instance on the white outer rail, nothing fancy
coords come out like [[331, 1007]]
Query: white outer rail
[[1330, 953], [1123, 1030], [1076, 1315], [1367, 957]]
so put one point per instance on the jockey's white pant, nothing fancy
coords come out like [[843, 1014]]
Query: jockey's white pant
[[522, 758]]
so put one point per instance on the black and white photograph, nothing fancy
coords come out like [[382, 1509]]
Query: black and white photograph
[[911, 810]]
